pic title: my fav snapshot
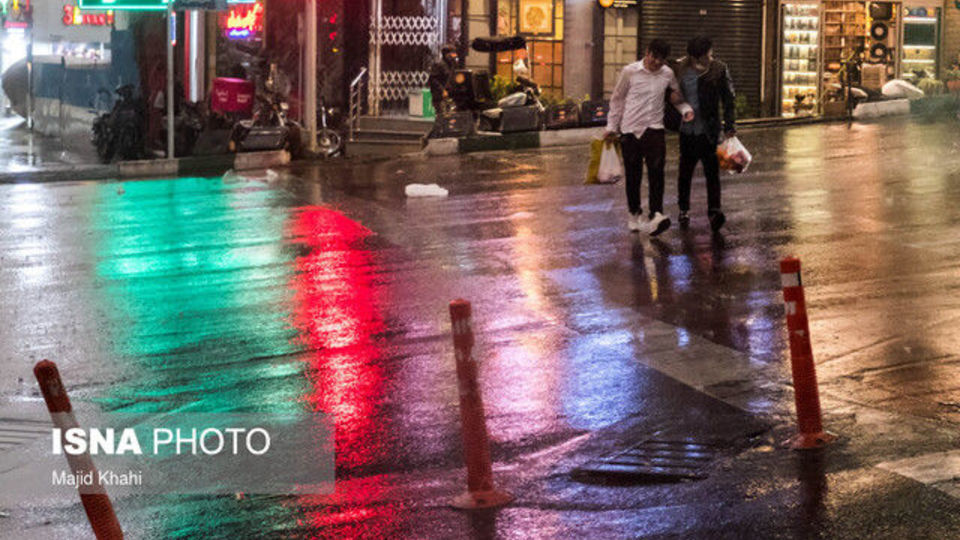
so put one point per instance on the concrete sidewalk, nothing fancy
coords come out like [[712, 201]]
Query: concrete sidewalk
[[32, 157]]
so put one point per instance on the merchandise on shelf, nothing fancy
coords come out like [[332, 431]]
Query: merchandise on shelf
[[800, 66]]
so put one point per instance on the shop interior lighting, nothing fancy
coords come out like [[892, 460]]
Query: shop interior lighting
[[925, 20], [926, 47]]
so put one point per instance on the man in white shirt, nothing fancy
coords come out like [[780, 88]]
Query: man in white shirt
[[636, 114]]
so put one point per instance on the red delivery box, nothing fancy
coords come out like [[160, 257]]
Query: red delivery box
[[232, 96]]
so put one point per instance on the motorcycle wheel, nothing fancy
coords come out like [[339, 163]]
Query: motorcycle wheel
[[330, 142]]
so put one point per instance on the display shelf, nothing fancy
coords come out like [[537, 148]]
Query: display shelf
[[801, 45]]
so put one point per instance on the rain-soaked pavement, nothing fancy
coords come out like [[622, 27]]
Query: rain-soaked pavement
[[325, 289]]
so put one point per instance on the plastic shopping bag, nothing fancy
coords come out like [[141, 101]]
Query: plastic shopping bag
[[733, 155], [606, 162], [611, 164], [596, 151]]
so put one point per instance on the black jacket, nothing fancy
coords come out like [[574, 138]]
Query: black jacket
[[441, 73], [714, 87]]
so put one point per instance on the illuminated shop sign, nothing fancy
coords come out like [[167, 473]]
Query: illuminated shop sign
[[244, 21], [74, 16], [19, 14], [618, 3], [125, 5]]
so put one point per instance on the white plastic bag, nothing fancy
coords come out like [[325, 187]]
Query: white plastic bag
[[425, 190], [899, 88], [611, 165], [733, 155]]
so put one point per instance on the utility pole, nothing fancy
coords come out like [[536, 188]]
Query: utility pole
[[310, 93], [170, 37]]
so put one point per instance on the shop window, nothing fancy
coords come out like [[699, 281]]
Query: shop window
[[620, 35], [541, 22]]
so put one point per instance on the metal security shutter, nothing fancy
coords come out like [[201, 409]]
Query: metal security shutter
[[735, 26]]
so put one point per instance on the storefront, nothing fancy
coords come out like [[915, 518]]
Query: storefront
[[822, 41], [74, 67], [737, 28], [542, 23]]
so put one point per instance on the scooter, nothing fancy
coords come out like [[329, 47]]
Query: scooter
[[120, 131], [270, 128], [528, 93]]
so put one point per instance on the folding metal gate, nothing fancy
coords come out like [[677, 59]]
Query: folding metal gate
[[404, 41]]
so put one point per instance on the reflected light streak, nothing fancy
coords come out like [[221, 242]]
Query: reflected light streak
[[335, 310]]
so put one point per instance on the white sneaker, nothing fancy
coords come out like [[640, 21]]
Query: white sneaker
[[636, 222], [658, 224]]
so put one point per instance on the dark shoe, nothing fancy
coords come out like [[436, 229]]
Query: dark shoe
[[658, 224], [684, 220], [717, 219]]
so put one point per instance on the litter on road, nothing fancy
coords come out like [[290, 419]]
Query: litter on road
[[425, 190]]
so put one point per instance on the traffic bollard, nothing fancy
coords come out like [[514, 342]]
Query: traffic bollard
[[476, 444], [94, 498], [806, 394]]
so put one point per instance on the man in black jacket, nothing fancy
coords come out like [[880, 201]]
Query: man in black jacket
[[705, 84], [441, 72]]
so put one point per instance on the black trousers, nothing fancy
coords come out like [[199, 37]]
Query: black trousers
[[651, 149], [694, 148]]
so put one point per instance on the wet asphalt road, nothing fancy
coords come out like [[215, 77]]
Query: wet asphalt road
[[324, 288]]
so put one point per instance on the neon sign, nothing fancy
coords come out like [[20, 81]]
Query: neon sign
[[244, 21], [19, 14], [74, 16]]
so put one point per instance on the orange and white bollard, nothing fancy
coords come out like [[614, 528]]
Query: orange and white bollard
[[476, 444], [806, 393], [94, 498]]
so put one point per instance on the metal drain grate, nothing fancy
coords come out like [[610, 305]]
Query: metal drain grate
[[654, 460]]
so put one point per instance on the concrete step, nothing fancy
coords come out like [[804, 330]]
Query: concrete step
[[389, 135], [381, 148], [396, 123]]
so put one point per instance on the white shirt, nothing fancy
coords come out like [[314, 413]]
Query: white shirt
[[637, 101]]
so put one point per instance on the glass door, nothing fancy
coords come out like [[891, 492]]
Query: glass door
[[800, 65], [921, 41]]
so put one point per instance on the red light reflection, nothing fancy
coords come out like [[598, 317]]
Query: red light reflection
[[336, 312]]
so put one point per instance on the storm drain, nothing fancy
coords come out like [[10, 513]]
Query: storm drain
[[653, 460]]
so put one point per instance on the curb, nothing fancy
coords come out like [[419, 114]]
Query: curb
[[487, 142], [153, 168]]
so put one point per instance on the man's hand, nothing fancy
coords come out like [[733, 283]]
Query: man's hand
[[688, 116], [611, 136]]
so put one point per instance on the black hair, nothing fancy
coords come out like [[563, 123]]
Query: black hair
[[699, 46], [659, 48], [448, 48]]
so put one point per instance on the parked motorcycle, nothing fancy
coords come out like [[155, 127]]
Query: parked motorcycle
[[120, 131], [527, 93], [270, 128], [474, 93], [330, 137]]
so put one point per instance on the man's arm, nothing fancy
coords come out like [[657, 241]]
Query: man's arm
[[617, 103], [676, 98], [728, 96]]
